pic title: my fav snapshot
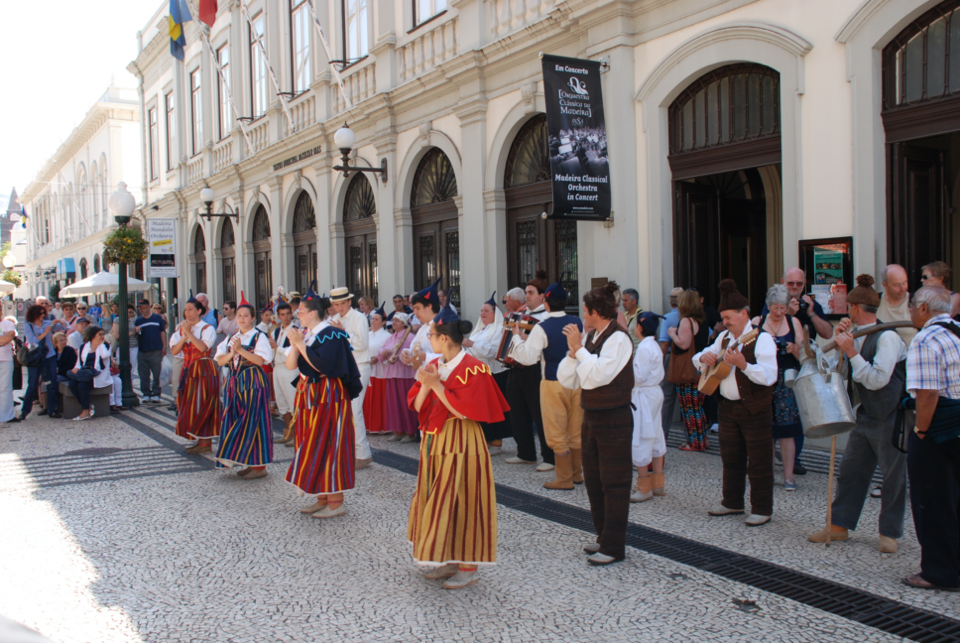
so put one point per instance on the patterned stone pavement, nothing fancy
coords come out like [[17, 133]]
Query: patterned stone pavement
[[110, 533]]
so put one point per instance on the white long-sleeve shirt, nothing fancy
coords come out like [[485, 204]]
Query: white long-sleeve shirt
[[202, 331], [262, 347], [647, 396], [356, 326], [589, 371], [529, 351], [764, 372], [424, 341], [486, 341], [890, 351]]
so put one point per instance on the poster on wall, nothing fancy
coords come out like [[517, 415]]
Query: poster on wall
[[828, 266], [161, 248], [576, 139]]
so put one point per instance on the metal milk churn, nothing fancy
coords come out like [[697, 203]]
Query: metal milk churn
[[822, 400]]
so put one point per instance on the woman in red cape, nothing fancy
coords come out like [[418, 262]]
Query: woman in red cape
[[453, 516]]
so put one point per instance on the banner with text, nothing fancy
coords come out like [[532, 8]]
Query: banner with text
[[576, 139], [162, 248]]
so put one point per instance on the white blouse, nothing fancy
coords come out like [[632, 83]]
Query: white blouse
[[202, 330], [262, 347], [101, 363]]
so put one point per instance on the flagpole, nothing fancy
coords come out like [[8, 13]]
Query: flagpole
[[263, 51], [226, 82], [326, 47]]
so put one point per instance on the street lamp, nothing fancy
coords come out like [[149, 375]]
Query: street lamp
[[207, 195], [344, 138], [122, 204]]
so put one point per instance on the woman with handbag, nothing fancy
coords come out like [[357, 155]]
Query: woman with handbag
[[92, 370], [40, 359], [688, 338]]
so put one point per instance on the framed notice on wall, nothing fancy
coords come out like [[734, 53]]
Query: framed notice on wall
[[828, 266], [162, 248]]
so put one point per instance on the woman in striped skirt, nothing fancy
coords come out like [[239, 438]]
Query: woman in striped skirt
[[245, 429], [329, 379], [198, 395], [453, 516]]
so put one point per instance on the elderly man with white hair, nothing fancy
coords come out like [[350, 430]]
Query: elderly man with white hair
[[895, 300], [514, 300]]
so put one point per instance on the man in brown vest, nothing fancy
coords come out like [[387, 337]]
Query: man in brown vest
[[600, 367], [746, 408]]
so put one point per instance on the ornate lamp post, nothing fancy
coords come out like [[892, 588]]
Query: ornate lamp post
[[122, 204], [344, 138]]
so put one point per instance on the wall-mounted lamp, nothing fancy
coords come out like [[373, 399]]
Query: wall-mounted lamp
[[207, 195], [344, 138]]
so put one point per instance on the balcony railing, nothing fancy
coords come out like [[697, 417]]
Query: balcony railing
[[223, 155], [428, 50], [260, 134], [195, 170], [360, 83], [507, 16], [302, 113]]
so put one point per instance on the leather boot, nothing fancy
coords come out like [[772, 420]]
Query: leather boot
[[576, 457], [564, 470], [289, 429], [658, 484], [644, 490]]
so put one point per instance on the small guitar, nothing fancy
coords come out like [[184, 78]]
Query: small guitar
[[710, 379]]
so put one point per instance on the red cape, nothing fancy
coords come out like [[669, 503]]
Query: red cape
[[470, 389]]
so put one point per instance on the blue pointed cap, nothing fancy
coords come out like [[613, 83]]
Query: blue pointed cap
[[556, 291], [447, 315], [493, 299], [310, 294], [431, 292], [379, 311], [192, 299]]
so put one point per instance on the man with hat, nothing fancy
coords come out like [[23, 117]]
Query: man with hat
[[355, 324], [670, 320], [559, 406], [746, 407], [75, 339], [426, 306], [878, 368]]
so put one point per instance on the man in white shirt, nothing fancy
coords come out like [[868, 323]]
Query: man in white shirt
[[895, 300], [356, 326], [75, 339], [878, 367], [8, 331], [283, 378], [599, 362], [746, 407], [426, 306]]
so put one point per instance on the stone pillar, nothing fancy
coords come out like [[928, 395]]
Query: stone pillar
[[477, 272], [324, 209], [280, 252], [495, 237], [389, 279]]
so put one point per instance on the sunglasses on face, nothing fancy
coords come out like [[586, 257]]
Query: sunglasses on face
[[925, 277]]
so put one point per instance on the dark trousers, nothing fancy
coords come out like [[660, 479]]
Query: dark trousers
[[608, 475], [150, 363], [746, 450], [523, 396], [81, 390], [46, 372], [934, 471], [498, 430]]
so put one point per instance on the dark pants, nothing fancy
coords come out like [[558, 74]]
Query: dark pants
[[498, 430], [46, 372], [746, 449], [608, 475], [934, 471], [81, 390], [149, 363], [523, 396]]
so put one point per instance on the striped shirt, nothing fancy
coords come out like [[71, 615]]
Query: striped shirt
[[933, 360]]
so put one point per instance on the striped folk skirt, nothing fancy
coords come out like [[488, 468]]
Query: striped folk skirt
[[325, 458], [453, 516], [245, 430], [198, 401], [373, 406]]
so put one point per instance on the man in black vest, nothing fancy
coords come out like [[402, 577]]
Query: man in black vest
[[878, 369], [600, 367], [746, 408]]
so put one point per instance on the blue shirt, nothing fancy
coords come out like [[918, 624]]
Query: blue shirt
[[670, 320], [211, 318], [32, 332], [150, 329]]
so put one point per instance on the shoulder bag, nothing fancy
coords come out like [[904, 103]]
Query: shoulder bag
[[681, 369]]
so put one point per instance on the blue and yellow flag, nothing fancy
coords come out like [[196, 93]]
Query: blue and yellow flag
[[179, 14], [23, 216]]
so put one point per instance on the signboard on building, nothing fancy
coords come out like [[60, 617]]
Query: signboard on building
[[576, 139], [161, 248]]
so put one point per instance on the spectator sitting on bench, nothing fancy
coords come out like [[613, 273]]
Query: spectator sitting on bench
[[95, 355]]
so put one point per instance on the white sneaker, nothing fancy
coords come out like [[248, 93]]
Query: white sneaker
[[461, 580], [515, 460], [495, 450], [545, 466], [601, 559], [639, 496], [755, 520], [394, 437], [443, 571], [406, 439]]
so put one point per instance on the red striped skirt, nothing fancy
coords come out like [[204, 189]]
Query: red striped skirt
[[198, 401], [324, 461], [373, 406]]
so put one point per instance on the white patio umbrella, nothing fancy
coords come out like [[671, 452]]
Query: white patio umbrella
[[102, 282], [6, 287]]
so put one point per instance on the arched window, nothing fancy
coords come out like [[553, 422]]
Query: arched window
[[532, 241], [228, 254], [262, 261], [95, 194], [96, 263], [83, 268], [917, 63], [105, 191], [200, 259], [305, 241], [360, 234], [82, 202], [436, 232]]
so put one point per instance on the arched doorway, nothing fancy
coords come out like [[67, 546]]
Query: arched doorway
[[200, 260], [228, 257], [360, 238], [921, 99], [436, 230], [305, 242], [532, 241], [262, 261], [725, 160]]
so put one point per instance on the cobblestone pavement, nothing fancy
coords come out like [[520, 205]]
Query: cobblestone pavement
[[111, 533]]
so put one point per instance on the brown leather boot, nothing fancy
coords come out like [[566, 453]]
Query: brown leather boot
[[289, 430], [576, 457], [564, 471], [658, 484]]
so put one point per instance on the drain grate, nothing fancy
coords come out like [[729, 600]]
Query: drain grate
[[94, 452], [856, 605]]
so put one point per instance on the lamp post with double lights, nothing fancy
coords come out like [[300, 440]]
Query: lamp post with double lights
[[344, 138], [121, 204]]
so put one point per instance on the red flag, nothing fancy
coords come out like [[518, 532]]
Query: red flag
[[208, 11]]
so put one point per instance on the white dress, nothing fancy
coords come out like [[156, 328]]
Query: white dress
[[647, 397]]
